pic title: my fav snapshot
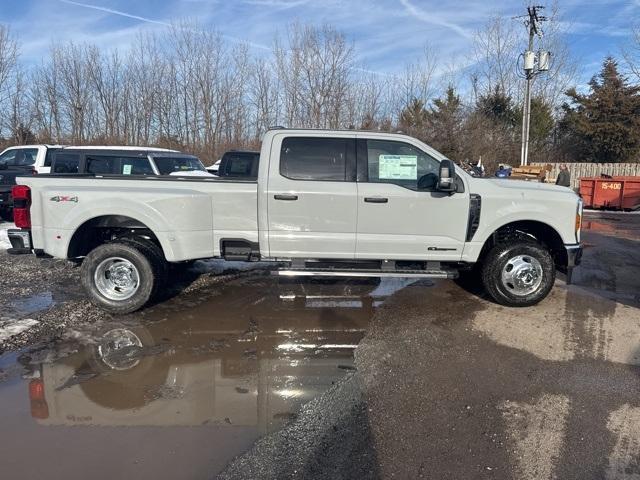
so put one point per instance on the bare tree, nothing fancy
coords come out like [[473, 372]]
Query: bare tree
[[631, 53], [8, 66], [314, 69], [496, 47]]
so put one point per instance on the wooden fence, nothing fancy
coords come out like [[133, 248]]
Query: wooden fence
[[578, 170]]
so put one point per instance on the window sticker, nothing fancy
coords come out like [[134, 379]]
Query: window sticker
[[126, 169], [398, 167]]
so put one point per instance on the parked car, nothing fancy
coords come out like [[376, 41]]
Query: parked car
[[130, 161], [13, 163], [325, 203], [36, 156]]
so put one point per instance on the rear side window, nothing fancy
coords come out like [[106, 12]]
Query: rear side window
[[243, 165], [66, 163], [316, 158], [115, 165]]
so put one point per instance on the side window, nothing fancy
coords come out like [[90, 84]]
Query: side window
[[135, 166], [66, 163], [316, 158], [100, 164], [114, 165], [30, 156], [401, 164], [239, 165]]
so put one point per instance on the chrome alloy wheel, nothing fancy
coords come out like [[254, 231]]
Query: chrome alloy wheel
[[522, 275], [117, 278]]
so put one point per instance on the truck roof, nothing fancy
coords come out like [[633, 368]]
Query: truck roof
[[398, 133], [117, 147], [96, 147]]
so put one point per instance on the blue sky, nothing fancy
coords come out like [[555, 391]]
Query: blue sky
[[387, 33]]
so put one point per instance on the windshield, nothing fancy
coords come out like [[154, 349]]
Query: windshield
[[169, 165]]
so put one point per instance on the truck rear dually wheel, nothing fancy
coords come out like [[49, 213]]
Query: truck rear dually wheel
[[518, 274], [121, 277]]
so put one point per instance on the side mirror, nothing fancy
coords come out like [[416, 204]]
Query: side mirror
[[447, 177]]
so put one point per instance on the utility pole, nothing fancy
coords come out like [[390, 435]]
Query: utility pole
[[534, 63]]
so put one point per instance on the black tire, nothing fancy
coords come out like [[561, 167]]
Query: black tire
[[148, 270], [155, 255], [501, 256]]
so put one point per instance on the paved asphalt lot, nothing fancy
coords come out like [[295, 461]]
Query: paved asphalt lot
[[244, 376]]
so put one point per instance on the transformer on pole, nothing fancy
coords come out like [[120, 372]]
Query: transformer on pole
[[534, 63]]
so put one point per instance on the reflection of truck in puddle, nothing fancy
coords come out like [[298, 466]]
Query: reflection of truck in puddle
[[250, 356]]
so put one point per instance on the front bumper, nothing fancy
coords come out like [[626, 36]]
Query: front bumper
[[574, 258], [20, 241], [574, 255]]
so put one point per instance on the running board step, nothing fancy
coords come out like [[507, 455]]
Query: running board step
[[366, 273]]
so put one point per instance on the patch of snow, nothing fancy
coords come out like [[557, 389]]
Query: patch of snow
[[10, 328], [4, 239]]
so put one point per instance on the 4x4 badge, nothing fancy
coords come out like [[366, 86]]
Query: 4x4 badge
[[60, 198]]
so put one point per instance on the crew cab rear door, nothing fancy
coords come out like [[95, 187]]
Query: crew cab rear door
[[312, 196], [401, 216]]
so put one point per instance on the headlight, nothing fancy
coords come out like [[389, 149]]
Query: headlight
[[579, 220]]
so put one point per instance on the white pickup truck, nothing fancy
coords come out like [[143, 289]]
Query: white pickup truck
[[325, 203]]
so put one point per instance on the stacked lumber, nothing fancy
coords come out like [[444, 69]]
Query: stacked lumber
[[530, 172]]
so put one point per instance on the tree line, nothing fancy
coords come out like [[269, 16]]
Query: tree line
[[191, 89]]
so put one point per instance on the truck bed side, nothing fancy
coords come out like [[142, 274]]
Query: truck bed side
[[189, 217]]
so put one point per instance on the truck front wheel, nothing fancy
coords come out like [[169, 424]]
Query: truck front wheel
[[518, 274], [119, 277]]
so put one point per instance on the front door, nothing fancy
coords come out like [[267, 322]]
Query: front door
[[401, 216], [312, 197]]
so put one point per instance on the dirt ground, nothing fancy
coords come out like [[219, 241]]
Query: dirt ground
[[240, 375]]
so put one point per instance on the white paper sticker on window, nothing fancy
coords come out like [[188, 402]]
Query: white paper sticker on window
[[126, 170], [398, 167]]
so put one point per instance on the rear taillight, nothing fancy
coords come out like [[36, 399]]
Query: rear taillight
[[21, 203], [39, 407]]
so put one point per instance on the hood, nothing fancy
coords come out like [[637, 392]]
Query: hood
[[528, 185], [191, 173]]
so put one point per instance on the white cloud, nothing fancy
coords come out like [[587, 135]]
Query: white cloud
[[434, 19]]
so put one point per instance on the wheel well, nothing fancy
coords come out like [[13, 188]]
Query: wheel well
[[99, 230], [538, 231]]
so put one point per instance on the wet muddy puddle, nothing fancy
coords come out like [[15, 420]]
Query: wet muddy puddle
[[613, 227], [179, 390]]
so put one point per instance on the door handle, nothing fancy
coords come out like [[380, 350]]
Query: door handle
[[285, 196], [376, 200]]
